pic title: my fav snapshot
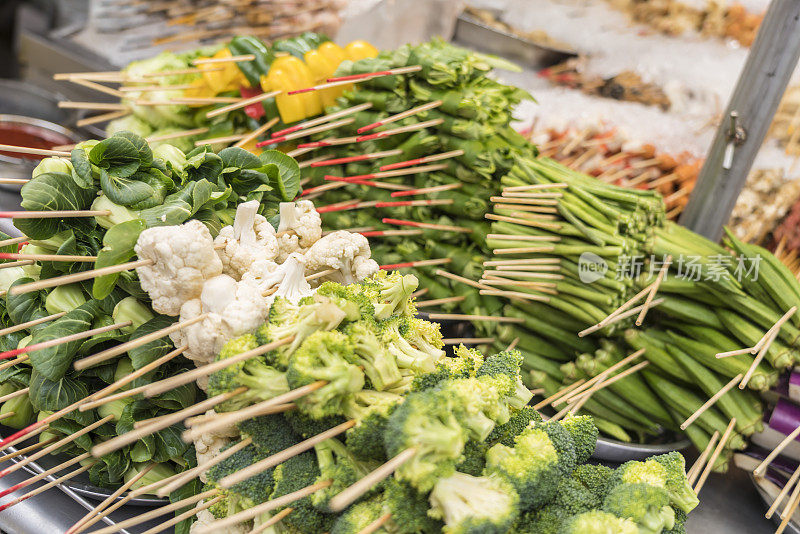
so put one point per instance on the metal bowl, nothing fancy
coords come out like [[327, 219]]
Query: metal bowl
[[791, 527], [612, 450]]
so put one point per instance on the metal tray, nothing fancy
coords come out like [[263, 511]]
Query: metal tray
[[612, 450], [475, 34], [791, 527]]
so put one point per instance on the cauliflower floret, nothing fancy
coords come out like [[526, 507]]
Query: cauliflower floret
[[184, 259], [345, 251], [265, 274], [250, 239], [299, 228], [204, 517], [293, 285], [208, 446], [233, 308]]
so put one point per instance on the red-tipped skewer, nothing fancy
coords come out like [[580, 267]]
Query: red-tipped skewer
[[426, 159], [399, 70], [400, 116], [323, 119], [428, 226], [426, 190], [420, 263], [399, 130], [353, 159], [387, 174]]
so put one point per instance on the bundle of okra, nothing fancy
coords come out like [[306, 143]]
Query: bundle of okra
[[710, 301]]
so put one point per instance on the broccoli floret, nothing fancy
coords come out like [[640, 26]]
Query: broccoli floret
[[504, 367], [407, 356], [359, 516], [335, 463], [323, 356], [680, 523], [390, 293], [517, 423], [425, 421], [474, 505], [596, 478], [425, 335], [474, 458], [584, 435], [598, 522], [646, 505], [306, 426], [365, 439], [252, 491], [263, 382], [300, 325], [542, 455], [282, 311], [379, 365], [409, 509], [270, 433], [349, 299], [464, 364], [477, 403], [575, 498], [294, 474], [680, 490], [545, 520]]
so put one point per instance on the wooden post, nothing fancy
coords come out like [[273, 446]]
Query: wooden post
[[762, 82]]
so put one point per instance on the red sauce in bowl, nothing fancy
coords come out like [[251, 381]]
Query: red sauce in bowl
[[31, 136]]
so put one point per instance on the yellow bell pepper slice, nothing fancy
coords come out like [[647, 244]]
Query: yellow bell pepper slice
[[335, 53], [301, 77], [323, 68], [360, 50], [290, 107]]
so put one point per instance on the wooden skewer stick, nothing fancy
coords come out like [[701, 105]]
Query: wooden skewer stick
[[368, 75], [426, 190], [762, 467], [185, 515], [654, 288], [400, 116], [419, 293], [601, 376], [134, 435], [64, 214], [575, 404], [350, 494], [194, 472], [25, 450], [323, 119], [280, 457], [461, 279], [34, 151], [523, 222], [101, 106], [765, 344], [389, 174], [512, 346], [695, 470], [558, 394], [419, 263], [468, 340], [627, 304], [375, 525], [151, 88], [47, 486], [717, 450], [438, 302], [524, 261], [46, 257], [14, 181], [103, 117], [100, 357], [773, 330], [44, 474], [325, 161], [242, 104], [736, 352], [607, 382], [111, 388], [78, 277], [177, 135], [13, 241], [535, 187], [308, 131], [784, 491], [788, 511], [427, 226], [710, 402], [229, 419], [158, 512], [231, 59], [272, 521], [390, 233], [419, 161], [250, 513], [514, 295], [62, 340], [167, 384], [55, 446], [379, 185], [97, 87], [29, 435], [523, 274], [464, 317], [400, 130], [14, 395], [261, 130], [7, 415]]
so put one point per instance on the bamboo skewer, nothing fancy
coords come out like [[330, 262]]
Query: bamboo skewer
[[602, 376], [717, 450], [14, 181], [13, 241], [389, 174], [177, 135], [185, 515], [426, 190], [653, 290], [100, 357], [97, 87], [78, 277], [167, 384], [419, 161], [710, 402], [400, 116], [788, 511], [555, 397], [308, 131], [7, 415], [259, 509], [468, 340], [194, 472], [280, 457], [375, 525], [695, 470], [25, 450], [45, 474], [438, 302], [228, 419], [29, 435], [176, 417], [323, 119], [427, 226], [785, 490], [325, 161], [627, 304], [764, 344], [55, 446], [350, 494], [158, 512], [62, 340], [63, 214], [14, 395], [261, 130], [761, 469], [463, 280], [103, 117], [34, 151], [400, 130], [464, 317], [242, 104], [418, 263], [100, 106], [274, 520], [47, 486], [231, 59], [514, 295], [607, 382], [47, 257]]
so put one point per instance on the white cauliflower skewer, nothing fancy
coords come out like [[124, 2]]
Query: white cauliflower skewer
[[347, 252], [209, 445], [183, 259], [300, 227], [230, 309], [250, 239]]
